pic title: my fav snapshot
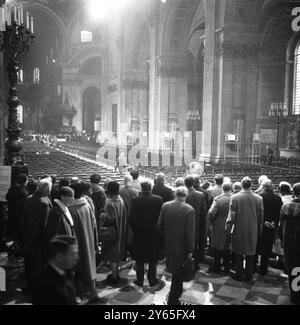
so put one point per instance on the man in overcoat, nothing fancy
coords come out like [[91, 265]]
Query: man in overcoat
[[197, 200], [217, 217], [245, 222], [145, 211], [177, 225], [34, 219], [272, 207]]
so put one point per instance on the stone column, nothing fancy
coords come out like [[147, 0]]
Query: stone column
[[154, 107], [209, 120]]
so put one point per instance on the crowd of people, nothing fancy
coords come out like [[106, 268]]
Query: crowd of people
[[63, 228]]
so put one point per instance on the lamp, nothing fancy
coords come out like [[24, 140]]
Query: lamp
[[278, 110]]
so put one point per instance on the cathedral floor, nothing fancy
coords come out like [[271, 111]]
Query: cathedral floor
[[206, 289]]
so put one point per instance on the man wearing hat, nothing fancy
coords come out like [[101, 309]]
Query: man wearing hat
[[54, 287]]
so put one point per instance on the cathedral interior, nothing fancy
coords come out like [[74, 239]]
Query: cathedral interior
[[220, 77]]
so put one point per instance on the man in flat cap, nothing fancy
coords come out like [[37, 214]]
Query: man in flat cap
[[54, 287]]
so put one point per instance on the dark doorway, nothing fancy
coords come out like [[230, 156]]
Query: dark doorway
[[91, 108]]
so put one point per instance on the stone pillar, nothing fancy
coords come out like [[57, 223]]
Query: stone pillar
[[209, 120], [154, 88]]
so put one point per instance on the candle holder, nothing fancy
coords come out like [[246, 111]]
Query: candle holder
[[15, 41]]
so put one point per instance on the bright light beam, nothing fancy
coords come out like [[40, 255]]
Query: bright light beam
[[101, 10]]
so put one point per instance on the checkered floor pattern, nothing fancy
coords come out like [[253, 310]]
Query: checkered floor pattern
[[206, 289]]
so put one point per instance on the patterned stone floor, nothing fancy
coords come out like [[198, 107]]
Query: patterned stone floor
[[206, 289]]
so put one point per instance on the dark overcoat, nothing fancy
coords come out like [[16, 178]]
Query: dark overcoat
[[127, 194], [144, 216], [177, 225], [272, 207], [164, 192], [290, 214], [53, 289], [15, 197], [197, 201], [33, 223], [58, 224]]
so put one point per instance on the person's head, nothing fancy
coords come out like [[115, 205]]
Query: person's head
[[285, 188], [128, 180], [44, 187], [181, 193], [86, 188], [54, 178], [63, 252], [95, 178], [246, 183], [237, 187], [189, 181], [197, 181], [227, 187], [22, 179], [77, 188], [66, 195], [179, 182], [296, 190], [160, 178], [135, 174], [146, 186], [113, 188], [32, 186], [261, 179], [219, 179], [206, 185], [63, 183], [267, 185]]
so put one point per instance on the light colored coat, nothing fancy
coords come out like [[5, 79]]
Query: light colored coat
[[217, 217], [86, 234], [246, 214]]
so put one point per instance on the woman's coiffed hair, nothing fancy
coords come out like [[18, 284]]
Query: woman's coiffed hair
[[44, 187]]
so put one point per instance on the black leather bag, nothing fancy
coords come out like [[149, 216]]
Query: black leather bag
[[189, 270]]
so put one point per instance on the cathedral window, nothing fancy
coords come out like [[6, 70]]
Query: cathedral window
[[296, 87]]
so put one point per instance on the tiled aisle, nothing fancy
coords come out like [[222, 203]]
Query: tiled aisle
[[206, 289]]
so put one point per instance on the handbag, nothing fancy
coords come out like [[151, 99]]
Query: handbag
[[189, 270]]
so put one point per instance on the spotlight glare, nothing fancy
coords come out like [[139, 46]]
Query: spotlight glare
[[102, 9]]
